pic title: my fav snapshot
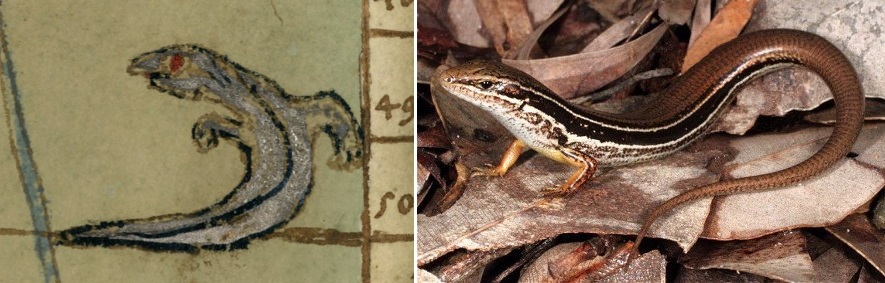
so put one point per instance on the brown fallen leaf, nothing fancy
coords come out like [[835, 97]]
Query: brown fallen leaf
[[779, 256], [869, 275], [540, 10], [835, 265], [506, 22], [617, 32], [860, 235], [580, 24], [700, 20], [525, 48], [676, 12], [725, 26], [569, 76], [462, 19]]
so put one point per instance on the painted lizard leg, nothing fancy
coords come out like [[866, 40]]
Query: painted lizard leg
[[326, 112], [212, 126]]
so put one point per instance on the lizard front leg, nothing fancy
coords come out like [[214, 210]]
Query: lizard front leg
[[507, 160], [212, 126]]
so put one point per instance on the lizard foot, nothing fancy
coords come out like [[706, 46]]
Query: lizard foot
[[488, 170]]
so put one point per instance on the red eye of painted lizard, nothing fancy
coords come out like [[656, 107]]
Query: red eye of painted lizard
[[175, 63]]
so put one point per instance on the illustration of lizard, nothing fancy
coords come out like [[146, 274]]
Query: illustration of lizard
[[273, 130]]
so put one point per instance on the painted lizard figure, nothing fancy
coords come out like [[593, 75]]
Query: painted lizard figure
[[273, 130]]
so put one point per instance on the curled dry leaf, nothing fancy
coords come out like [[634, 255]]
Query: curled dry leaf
[[874, 110], [725, 26], [860, 235], [779, 256], [582, 73], [578, 262]]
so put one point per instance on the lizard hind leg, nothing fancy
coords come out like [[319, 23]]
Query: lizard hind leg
[[327, 113]]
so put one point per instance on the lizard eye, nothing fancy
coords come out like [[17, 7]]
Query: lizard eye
[[485, 84], [175, 63]]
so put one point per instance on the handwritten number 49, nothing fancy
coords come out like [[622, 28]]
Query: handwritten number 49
[[388, 108]]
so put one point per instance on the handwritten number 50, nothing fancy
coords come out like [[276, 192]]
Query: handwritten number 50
[[404, 205]]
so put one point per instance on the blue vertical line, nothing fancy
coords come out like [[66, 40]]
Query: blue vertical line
[[21, 145]]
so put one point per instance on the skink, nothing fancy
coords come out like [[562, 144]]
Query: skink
[[681, 114]]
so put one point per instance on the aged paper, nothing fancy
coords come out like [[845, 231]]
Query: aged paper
[[114, 170]]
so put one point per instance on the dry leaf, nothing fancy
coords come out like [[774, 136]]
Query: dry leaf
[[463, 264], [860, 235], [464, 22], [541, 10], [725, 26], [649, 267], [569, 76], [779, 256], [835, 266], [869, 275], [676, 12], [424, 276], [617, 32], [525, 49], [506, 22], [688, 275], [700, 20]]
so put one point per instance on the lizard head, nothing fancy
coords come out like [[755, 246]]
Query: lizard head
[[489, 84], [183, 71]]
